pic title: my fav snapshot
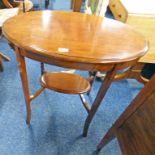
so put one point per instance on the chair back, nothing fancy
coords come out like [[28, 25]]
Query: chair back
[[96, 7], [10, 3]]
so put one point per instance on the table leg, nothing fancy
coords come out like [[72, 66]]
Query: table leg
[[101, 93], [24, 79]]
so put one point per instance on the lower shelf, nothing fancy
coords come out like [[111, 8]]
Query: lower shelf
[[65, 82]]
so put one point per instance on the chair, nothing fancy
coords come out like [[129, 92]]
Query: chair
[[9, 9], [97, 8], [4, 15], [23, 7], [135, 128]]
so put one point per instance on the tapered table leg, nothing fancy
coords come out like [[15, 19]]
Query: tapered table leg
[[101, 93], [24, 79]]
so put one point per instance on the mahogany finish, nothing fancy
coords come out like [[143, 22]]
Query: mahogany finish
[[74, 40], [89, 39], [135, 128], [65, 82]]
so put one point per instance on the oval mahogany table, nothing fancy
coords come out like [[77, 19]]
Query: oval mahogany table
[[73, 40]]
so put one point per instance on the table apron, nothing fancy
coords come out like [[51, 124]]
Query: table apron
[[67, 63], [75, 64]]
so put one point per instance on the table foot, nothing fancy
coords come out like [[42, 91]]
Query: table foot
[[28, 118]]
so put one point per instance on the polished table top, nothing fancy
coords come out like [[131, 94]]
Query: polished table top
[[74, 37]]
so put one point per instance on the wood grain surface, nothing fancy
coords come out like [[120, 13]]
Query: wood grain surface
[[75, 37]]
